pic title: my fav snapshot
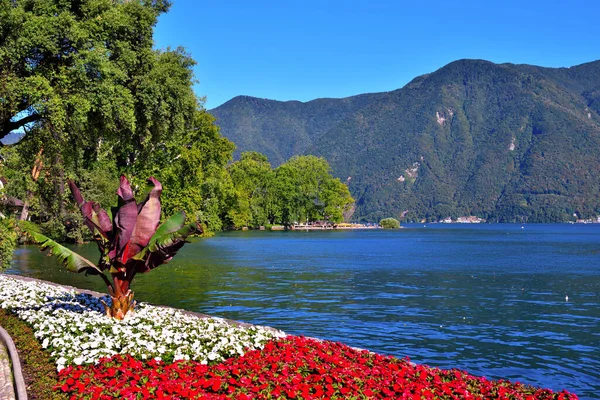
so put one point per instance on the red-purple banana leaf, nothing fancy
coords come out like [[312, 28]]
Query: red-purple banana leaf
[[95, 217], [124, 222], [147, 221], [99, 223], [134, 239]]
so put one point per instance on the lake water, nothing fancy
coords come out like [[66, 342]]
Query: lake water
[[490, 299]]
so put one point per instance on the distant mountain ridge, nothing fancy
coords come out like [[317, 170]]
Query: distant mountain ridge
[[500, 141], [283, 129]]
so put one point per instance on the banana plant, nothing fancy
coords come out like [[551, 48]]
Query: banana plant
[[131, 242]]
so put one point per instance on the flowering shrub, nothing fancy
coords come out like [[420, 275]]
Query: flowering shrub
[[294, 368], [76, 331]]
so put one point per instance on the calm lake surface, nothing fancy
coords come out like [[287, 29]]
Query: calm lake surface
[[489, 299]]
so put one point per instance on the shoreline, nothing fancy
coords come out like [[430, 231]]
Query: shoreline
[[462, 376], [304, 227]]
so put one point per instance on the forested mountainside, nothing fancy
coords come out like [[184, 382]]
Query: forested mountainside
[[500, 141], [283, 129]]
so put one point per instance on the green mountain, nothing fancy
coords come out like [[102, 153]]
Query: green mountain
[[500, 141], [283, 129]]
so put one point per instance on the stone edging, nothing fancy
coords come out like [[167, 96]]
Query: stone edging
[[17, 374]]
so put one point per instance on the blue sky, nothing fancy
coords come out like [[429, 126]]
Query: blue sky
[[303, 50]]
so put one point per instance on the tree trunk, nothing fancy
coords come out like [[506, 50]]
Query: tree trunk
[[25, 210], [120, 305], [121, 296], [35, 174], [59, 185]]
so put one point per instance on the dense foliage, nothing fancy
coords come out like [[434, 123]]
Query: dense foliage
[[501, 142], [8, 241], [82, 83], [300, 190], [85, 96], [390, 223], [83, 74]]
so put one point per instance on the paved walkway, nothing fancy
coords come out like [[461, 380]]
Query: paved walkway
[[7, 391], [12, 384]]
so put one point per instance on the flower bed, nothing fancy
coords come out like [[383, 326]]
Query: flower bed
[[163, 353], [291, 368], [75, 330]]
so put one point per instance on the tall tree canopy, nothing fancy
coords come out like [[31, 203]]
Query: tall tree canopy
[[84, 75], [74, 65], [255, 202], [308, 192], [302, 189], [80, 80]]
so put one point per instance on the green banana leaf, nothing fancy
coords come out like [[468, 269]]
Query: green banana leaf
[[169, 232], [68, 258], [162, 249], [172, 224], [173, 238]]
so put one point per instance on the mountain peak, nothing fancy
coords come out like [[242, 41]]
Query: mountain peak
[[503, 142]]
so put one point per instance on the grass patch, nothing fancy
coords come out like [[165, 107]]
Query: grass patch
[[38, 369]]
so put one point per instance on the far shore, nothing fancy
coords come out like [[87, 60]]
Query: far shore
[[316, 227]]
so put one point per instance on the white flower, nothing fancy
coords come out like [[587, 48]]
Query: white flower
[[76, 328]]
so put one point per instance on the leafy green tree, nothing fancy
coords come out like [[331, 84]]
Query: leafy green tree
[[77, 66], [218, 196], [8, 237], [196, 175], [287, 179], [336, 200], [14, 171], [390, 223], [81, 81], [253, 180], [307, 191], [8, 241]]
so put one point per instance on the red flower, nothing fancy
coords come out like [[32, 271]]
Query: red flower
[[292, 367]]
